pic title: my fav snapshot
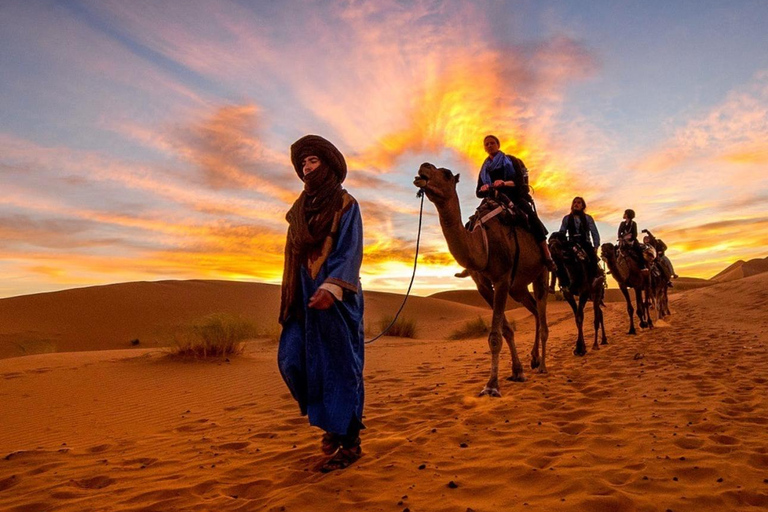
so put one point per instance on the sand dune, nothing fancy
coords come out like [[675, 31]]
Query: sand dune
[[742, 269], [672, 419], [111, 317]]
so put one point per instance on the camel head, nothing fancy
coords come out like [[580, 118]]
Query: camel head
[[438, 184], [608, 252], [557, 242]]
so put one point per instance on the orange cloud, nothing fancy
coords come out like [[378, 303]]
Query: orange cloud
[[507, 93], [735, 131]]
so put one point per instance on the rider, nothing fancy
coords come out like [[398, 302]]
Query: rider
[[582, 232], [500, 173], [661, 249], [628, 236]]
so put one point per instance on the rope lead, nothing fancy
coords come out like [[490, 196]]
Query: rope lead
[[420, 194]]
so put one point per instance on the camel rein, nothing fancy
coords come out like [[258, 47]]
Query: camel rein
[[420, 194]]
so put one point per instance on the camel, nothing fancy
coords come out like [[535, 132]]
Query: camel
[[658, 290], [507, 270], [628, 274], [573, 275]]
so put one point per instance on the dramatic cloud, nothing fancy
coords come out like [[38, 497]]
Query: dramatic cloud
[[149, 140]]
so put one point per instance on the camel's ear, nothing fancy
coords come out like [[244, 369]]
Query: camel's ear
[[456, 178]]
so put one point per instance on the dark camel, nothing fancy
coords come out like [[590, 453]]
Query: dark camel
[[658, 290], [574, 276], [513, 263], [628, 274]]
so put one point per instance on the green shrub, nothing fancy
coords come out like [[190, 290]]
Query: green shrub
[[218, 335], [471, 329], [402, 328]]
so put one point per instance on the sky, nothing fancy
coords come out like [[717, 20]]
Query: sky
[[149, 140]]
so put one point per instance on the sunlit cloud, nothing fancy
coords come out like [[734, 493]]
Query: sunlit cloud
[[735, 131], [151, 140]]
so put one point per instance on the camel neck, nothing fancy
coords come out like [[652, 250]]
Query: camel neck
[[462, 245]]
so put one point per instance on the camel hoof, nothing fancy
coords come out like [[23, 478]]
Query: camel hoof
[[492, 392], [580, 353], [632, 331], [534, 364], [595, 347], [516, 378], [643, 325], [604, 342], [542, 369]]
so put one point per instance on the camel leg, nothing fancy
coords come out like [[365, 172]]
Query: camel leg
[[600, 320], [529, 303], [500, 290], [517, 366], [643, 312], [581, 346], [542, 329], [485, 288], [630, 309]]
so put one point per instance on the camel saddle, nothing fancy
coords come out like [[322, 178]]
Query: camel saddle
[[502, 209]]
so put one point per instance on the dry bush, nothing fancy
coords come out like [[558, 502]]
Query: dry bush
[[218, 335], [402, 328], [472, 329]]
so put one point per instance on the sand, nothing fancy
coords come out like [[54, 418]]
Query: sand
[[671, 419]]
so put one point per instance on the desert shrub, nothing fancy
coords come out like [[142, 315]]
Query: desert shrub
[[402, 328], [218, 335], [471, 329]]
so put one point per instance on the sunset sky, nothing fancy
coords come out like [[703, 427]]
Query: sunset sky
[[149, 140]]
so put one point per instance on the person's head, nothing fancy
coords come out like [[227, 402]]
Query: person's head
[[578, 204], [629, 214], [491, 144], [310, 164], [313, 153]]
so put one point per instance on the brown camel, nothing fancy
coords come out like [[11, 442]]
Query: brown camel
[[628, 274], [507, 269], [658, 290], [575, 279]]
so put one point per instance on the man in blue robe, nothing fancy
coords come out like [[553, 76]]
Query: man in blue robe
[[321, 351]]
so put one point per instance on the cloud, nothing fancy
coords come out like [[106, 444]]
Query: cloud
[[225, 148], [734, 131]]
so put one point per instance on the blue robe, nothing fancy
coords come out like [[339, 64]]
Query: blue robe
[[321, 356]]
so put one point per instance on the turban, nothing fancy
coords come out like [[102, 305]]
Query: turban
[[314, 145]]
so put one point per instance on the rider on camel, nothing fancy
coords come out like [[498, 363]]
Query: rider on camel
[[500, 173], [664, 261], [628, 236], [582, 233]]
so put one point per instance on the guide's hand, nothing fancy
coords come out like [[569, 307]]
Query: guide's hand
[[484, 188], [498, 183], [322, 299]]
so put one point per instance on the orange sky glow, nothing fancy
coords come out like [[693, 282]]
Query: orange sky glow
[[152, 143]]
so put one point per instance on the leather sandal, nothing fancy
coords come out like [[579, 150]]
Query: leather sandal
[[344, 458], [330, 443]]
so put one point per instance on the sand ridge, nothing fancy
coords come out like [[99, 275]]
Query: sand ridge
[[671, 419]]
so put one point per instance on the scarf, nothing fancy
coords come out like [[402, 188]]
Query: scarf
[[310, 221], [491, 164]]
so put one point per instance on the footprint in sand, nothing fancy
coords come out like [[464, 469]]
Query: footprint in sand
[[726, 440], [232, 446], [99, 448], [97, 482], [7, 483]]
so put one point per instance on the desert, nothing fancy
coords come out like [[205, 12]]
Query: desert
[[670, 419]]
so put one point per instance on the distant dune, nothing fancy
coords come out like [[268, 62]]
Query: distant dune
[[742, 269], [671, 419], [110, 317]]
